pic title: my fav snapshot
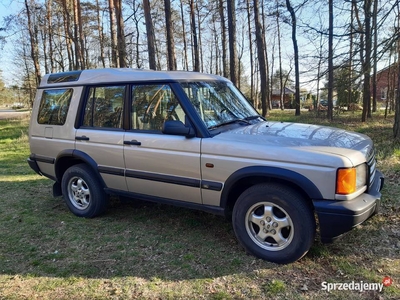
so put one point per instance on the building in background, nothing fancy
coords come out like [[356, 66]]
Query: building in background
[[386, 83]]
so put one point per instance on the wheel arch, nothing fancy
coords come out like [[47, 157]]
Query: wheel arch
[[70, 157], [244, 178]]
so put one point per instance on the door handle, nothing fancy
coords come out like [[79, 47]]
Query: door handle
[[82, 138], [133, 142]]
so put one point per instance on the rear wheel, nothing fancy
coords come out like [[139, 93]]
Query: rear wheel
[[83, 192], [274, 223]]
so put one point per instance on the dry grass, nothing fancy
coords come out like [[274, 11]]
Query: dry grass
[[149, 251]]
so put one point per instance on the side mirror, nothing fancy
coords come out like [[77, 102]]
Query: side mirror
[[178, 128]]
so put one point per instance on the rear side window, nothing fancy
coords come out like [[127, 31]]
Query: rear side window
[[54, 106], [104, 107]]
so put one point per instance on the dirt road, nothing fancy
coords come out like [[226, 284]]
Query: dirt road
[[12, 114]]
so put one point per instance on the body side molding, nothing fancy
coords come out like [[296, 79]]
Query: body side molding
[[207, 208]]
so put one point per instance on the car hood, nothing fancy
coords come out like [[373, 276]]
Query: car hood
[[297, 134]]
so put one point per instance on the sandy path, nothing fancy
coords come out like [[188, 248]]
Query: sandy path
[[13, 114]]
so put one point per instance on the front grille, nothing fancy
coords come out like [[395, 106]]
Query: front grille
[[371, 165]]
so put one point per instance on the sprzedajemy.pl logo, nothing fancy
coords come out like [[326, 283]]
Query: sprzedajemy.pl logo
[[360, 286]]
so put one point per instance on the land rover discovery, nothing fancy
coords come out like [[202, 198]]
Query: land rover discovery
[[192, 140]]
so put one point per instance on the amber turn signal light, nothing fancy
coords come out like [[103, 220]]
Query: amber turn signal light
[[346, 181]]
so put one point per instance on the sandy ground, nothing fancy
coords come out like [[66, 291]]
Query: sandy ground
[[13, 114]]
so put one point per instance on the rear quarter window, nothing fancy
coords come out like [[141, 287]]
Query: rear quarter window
[[104, 107], [54, 106]]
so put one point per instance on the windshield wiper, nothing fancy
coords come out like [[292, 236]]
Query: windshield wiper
[[230, 122], [255, 117]]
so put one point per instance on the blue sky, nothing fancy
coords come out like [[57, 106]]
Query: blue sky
[[8, 7], [10, 72], [7, 54]]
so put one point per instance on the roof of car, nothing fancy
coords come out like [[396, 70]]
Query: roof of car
[[96, 76]]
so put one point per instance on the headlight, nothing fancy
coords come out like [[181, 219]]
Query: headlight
[[349, 180], [362, 175]]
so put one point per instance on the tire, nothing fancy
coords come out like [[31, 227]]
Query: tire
[[274, 223], [83, 192]]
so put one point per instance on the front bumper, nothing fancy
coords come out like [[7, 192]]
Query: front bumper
[[338, 217]]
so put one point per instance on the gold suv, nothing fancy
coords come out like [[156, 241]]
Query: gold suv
[[193, 140]]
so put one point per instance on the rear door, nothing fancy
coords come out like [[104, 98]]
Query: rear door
[[159, 165], [101, 133], [53, 130]]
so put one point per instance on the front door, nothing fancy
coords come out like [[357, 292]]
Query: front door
[[160, 165]]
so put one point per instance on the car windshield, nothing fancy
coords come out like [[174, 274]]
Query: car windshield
[[219, 103]]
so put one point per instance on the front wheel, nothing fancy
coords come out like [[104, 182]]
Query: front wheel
[[83, 192], [274, 223]]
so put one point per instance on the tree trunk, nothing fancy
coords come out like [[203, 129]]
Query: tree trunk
[[223, 34], [319, 74], [170, 36], [49, 17], [396, 125], [185, 56], [375, 55], [281, 89], [84, 58], [233, 57], [361, 30], [137, 42], [296, 57], [261, 60], [366, 112], [77, 44], [150, 35], [251, 52], [389, 84], [195, 48], [350, 88], [60, 49], [268, 100], [27, 70], [68, 35], [113, 33], [121, 44], [199, 31], [241, 47], [330, 62], [101, 35], [34, 44], [214, 47], [43, 38]]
